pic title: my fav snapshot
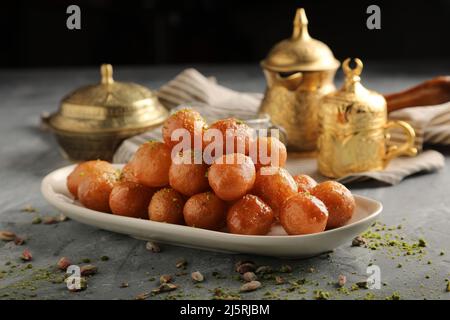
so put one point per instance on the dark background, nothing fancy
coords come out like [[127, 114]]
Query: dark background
[[34, 33]]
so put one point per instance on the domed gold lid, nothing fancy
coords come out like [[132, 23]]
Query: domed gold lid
[[300, 52], [108, 107], [353, 96]]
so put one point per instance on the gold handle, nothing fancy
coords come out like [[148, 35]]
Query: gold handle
[[407, 148], [291, 81]]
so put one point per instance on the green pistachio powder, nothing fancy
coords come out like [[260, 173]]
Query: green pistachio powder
[[25, 280]]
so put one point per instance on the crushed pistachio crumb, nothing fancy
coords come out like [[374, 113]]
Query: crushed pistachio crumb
[[394, 296], [422, 243], [321, 295], [36, 220], [29, 208]]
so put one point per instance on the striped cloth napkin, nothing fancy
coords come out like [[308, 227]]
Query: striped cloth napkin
[[431, 124], [213, 101]]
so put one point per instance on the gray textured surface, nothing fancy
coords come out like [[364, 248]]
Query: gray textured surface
[[421, 204]]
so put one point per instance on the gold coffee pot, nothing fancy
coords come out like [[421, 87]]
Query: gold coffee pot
[[353, 129], [299, 71], [93, 120]]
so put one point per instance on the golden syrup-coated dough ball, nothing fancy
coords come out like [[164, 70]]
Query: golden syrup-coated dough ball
[[264, 149], [232, 176], [167, 206], [239, 134], [130, 199], [206, 211], [83, 170], [338, 200], [303, 214], [274, 185], [151, 164], [189, 120], [188, 173], [250, 216], [304, 182], [94, 191]]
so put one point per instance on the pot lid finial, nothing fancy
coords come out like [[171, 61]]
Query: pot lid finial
[[300, 24], [106, 70], [300, 52]]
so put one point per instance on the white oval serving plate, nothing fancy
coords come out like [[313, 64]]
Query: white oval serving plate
[[276, 244]]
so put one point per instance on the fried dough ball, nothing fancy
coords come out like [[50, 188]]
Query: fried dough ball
[[304, 182], [166, 206], [187, 119], [303, 214], [274, 185], [251, 216], [338, 200], [127, 173], [186, 175], [235, 130], [206, 211], [130, 199], [151, 164], [83, 170], [94, 190], [232, 176], [263, 148]]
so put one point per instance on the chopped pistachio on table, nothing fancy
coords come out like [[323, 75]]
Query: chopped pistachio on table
[[26, 255], [88, 270], [29, 208], [165, 278], [7, 235], [165, 287], [182, 263], [50, 220], [394, 296], [378, 237], [322, 295], [250, 286], [342, 280], [197, 276], [18, 241], [279, 280], [223, 294], [286, 268], [249, 276], [63, 263], [245, 266], [36, 220], [153, 247], [264, 270]]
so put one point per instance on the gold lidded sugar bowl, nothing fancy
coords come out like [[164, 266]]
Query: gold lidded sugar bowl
[[354, 130], [299, 71], [93, 120]]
